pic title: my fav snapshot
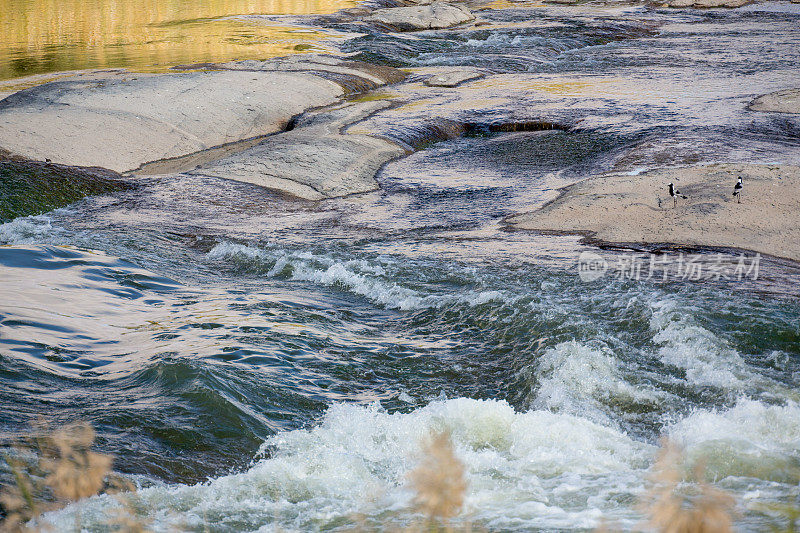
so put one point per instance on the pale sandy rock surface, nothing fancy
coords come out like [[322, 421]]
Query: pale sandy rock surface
[[124, 120], [787, 101], [315, 160], [625, 209], [453, 78], [433, 16], [121, 122]]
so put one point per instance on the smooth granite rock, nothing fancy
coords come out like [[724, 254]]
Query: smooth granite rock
[[453, 78], [434, 16], [627, 209], [126, 120], [786, 101], [315, 160]]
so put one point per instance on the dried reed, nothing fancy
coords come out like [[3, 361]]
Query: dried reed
[[670, 511], [52, 469], [438, 480]]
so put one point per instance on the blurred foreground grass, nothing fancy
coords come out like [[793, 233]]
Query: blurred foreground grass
[[52, 468]]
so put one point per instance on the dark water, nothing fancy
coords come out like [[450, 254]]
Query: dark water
[[289, 356]]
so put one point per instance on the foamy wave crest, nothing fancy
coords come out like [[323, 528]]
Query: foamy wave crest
[[379, 291], [751, 439], [546, 45], [26, 230], [582, 380], [366, 278], [706, 358], [525, 470]]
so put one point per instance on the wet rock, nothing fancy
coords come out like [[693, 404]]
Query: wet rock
[[514, 126], [125, 120], [786, 101], [327, 66], [315, 160], [33, 187], [453, 78], [706, 3], [434, 16]]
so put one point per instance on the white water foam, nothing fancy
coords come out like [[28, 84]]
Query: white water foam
[[548, 46], [358, 276], [705, 357], [525, 470], [751, 439], [583, 380], [26, 230]]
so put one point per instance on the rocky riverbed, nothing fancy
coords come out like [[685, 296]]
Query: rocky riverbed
[[211, 118]]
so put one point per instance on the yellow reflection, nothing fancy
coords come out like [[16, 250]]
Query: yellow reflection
[[558, 86], [38, 36], [513, 4]]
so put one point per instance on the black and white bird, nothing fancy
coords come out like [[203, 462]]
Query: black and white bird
[[737, 190], [675, 193]]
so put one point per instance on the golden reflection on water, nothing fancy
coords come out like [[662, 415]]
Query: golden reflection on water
[[38, 36], [513, 4]]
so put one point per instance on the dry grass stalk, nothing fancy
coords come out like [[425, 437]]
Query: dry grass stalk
[[75, 472], [438, 480], [19, 501], [64, 469], [126, 521], [669, 511]]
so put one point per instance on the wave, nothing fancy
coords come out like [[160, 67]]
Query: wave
[[534, 469], [751, 439], [705, 357], [358, 276], [587, 381], [530, 43], [27, 230]]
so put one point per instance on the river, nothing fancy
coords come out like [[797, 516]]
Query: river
[[253, 360]]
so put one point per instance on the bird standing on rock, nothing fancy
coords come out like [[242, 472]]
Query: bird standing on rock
[[737, 190], [675, 193]]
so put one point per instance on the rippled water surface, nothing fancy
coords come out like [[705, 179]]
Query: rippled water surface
[[41, 36], [254, 361]]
